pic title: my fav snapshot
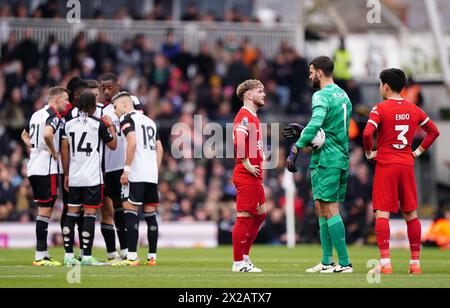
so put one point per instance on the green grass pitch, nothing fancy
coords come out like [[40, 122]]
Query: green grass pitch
[[208, 268]]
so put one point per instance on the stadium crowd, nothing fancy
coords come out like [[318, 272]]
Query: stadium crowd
[[159, 12], [173, 85]]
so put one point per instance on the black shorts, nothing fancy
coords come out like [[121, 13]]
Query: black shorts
[[88, 197], [113, 188], [44, 189], [141, 194]]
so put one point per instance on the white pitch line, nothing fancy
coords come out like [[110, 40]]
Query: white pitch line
[[31, 277]]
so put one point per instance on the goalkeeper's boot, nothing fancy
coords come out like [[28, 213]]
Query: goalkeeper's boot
[[338, 269], [415, 269], [47, 261], [319, 267], [382, 269]]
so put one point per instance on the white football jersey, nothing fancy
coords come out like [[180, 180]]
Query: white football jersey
[[68, 115], [115, 159], [85, 136], [144, 167], [41, 162]]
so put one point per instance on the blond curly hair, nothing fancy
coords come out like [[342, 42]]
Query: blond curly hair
[[247, 86]]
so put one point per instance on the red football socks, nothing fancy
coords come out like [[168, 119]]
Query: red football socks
[[241, 237], [383, 234], [414, 235], [256, 222]]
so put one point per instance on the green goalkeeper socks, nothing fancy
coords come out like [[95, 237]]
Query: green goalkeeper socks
[[337, 232], [325, 240]]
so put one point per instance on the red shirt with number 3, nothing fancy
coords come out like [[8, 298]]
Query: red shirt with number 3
[[396, 121]]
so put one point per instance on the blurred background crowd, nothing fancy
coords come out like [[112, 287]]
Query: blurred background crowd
[[174, 84]]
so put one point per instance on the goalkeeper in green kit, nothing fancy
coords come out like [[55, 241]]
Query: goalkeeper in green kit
[[332, 110]]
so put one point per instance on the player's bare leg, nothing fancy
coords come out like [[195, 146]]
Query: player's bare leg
[[414, 235], [326, 243], [88, 234], [42, 257], [152, 233], [336, 229], [256, 223], [108, 230], [132, 227], [383, 234]]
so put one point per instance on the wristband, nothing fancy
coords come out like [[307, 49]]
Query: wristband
[[418, 152], [127, 169]]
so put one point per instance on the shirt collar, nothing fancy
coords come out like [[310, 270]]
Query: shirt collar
[[248, 109]]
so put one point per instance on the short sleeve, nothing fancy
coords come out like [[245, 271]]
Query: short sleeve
[[127, 125], [53, 121], [104, 133]]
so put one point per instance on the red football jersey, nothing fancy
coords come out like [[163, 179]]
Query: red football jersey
[[396, 121], [247, 137]]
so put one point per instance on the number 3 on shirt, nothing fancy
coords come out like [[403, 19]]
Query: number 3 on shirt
[[403, 129]]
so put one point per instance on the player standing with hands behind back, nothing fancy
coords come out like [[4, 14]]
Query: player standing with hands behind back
[[396, 121]]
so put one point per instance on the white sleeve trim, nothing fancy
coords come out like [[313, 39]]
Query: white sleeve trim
[[241, 130], [425, 122], [374, 123]]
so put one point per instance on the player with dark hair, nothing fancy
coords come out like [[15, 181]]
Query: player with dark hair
[[113, 166], [332, 111], [75, 87], [42, 136], [81, 156], [396, 120], [139, 180]]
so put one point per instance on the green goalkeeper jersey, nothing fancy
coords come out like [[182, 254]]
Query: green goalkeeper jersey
[[332, 111]]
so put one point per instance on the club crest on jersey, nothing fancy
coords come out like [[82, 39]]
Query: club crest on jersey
[[244, 121], [55, 122]]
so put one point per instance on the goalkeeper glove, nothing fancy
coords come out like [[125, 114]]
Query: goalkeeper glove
[[293, 131], [292, 158]]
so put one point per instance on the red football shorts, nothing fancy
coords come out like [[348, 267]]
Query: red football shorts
[[394, 188], [250, 197]]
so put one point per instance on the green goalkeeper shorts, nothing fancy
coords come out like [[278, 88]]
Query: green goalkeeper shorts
[[329, 184]]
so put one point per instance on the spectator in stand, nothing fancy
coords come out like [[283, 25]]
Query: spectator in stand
[[28, 52], [128, 56], [171, 48], [101, 50], [191, 14], [413, 92]]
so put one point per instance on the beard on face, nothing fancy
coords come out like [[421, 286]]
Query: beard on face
[[259, 102], [315, 83]]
